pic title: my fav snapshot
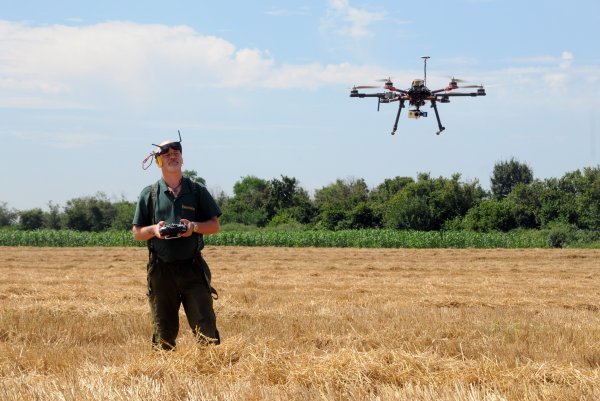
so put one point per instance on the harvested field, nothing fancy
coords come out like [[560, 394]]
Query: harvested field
[[305, 324]]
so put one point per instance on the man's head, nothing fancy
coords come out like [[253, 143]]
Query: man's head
[[163, 152], [169, 154]]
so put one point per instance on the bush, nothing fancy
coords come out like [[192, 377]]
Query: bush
[[31, 219], [408, 213], [490, 215], [560, 235], [284, 221]]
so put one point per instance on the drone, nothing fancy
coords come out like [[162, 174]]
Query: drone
[[417, 95]]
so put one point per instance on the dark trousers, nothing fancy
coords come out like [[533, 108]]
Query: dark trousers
[[173, 284]]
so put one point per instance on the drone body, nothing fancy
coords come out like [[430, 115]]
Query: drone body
[[417, 95]]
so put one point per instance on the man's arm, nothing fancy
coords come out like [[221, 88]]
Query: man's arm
[[210, 226], [145, 233]]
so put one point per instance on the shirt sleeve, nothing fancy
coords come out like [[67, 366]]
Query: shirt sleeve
[[142, 217], [208, 207]]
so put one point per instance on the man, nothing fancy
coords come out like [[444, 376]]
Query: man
[[177, 273]]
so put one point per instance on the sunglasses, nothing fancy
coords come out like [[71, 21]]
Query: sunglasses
[[165, 148]]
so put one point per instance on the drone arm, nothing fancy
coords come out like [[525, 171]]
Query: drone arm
[[472, 94], [437, 116], [361, 95]]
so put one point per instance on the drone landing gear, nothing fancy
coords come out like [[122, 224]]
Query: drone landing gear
[[400, 107], [437, 116]]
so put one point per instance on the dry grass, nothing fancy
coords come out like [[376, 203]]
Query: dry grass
[[299, 324]]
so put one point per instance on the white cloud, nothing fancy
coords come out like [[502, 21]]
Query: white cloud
[[567, 58], [357, 20], [70, 65], [119, 55], [555, 80], [14, 84], [548, 80], [564, 60], [80, 67], [313, 76]]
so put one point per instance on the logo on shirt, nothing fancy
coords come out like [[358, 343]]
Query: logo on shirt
[[193, 209]]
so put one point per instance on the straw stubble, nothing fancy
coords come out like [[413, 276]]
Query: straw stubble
[[297, 324]]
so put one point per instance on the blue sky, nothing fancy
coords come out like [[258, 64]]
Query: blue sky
[[261, 88]]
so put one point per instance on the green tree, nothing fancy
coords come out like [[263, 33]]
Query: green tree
[[527, 200], [285, 197], [31, 219], [589, 199], [450, 198], [342, 194], [507, 175], [388, 188], [221, 198], [193, 175], [363, 216], [93, 213], [53, 217], [248, 204], [332, 219], [7, 216], [430, 204], [491, 215], [381, 195], [336, 201], [558, 203], [573, 199], [123, 215], [409, 211]]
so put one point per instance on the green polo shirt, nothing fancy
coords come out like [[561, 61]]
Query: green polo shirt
[[194, 205]]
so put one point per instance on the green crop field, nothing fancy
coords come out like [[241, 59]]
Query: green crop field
[[315, 238]]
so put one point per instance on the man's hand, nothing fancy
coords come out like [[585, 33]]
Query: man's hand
[[190, 226], [147, 232], [157, 228]]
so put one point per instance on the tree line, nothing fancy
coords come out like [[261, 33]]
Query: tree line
[[516, 200]]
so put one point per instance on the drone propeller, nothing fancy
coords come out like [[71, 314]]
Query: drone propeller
[[472, 86], [456, 79], [365, 87]]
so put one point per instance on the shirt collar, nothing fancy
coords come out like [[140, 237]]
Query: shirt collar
[[185, 186]]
